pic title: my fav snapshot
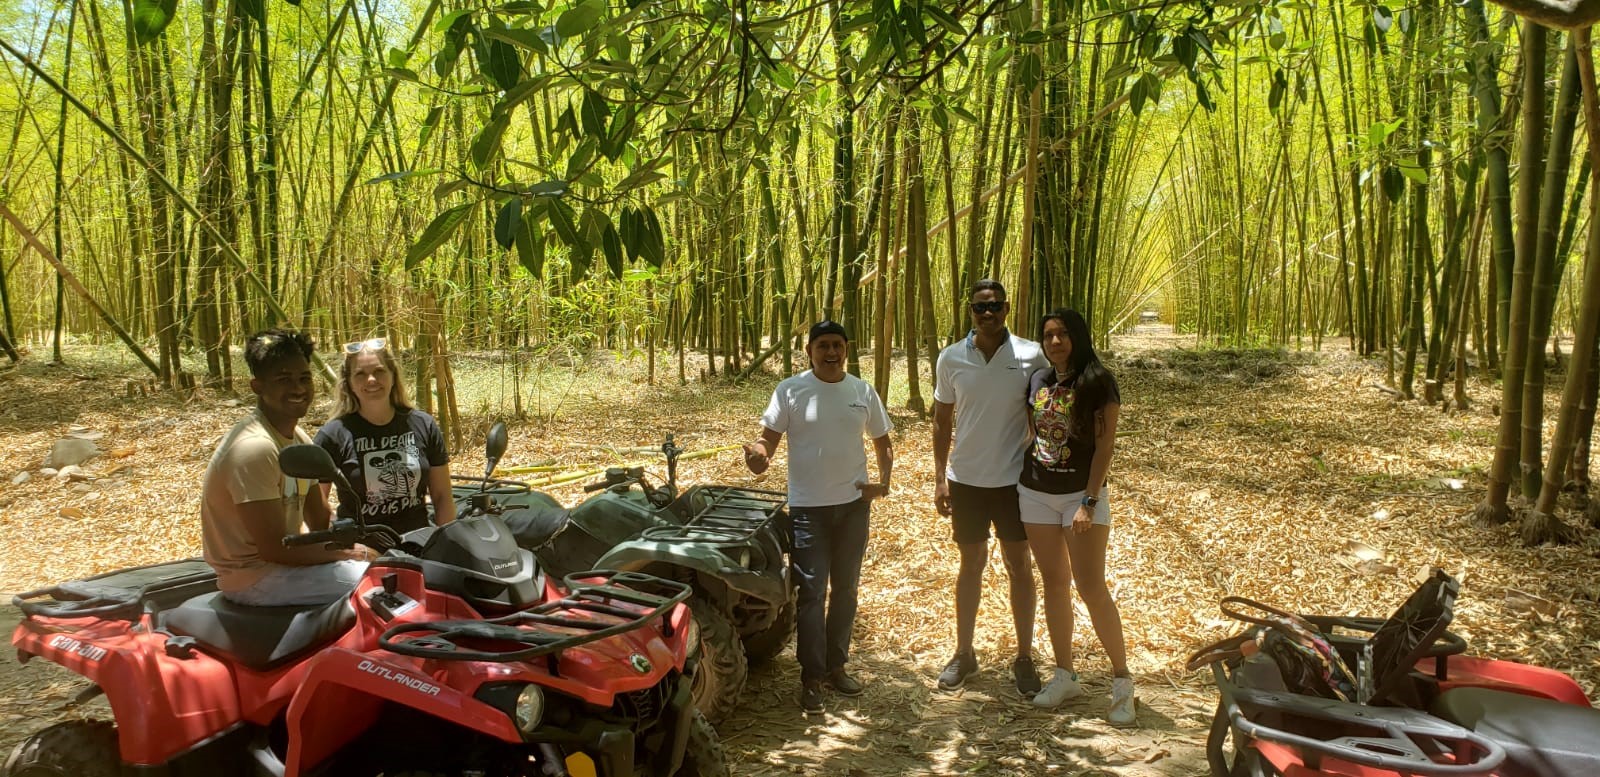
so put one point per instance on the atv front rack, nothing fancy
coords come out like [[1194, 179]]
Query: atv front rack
[[730, 519], [125, 593], [599, 604]]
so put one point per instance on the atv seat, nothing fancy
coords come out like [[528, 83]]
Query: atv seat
[[259, 637], [1542, 738]]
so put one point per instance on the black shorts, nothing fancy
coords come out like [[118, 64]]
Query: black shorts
[[973, 508]]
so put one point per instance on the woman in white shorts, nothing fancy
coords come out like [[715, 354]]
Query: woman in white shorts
[[1072, 412]]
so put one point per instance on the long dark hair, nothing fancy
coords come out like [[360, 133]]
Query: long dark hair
[[1093, 386]]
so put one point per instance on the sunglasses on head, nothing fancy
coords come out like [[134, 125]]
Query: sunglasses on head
[[375, 344], [994, 306]]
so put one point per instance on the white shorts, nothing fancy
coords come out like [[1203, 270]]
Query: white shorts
[[1058, 509]]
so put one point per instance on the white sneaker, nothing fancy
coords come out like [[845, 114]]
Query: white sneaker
[[1063, 685], [1122, 703]]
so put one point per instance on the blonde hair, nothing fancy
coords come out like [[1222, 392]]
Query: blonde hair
[[346, 403]]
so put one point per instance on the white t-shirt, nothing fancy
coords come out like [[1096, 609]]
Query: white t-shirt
[[991, 434], [825, 423]]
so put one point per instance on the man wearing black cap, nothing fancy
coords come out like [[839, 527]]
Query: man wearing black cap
[[825, 412]]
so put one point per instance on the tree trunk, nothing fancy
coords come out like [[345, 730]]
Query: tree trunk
[[1494, 509]]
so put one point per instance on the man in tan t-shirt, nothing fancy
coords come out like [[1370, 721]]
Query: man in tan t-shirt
[[247, 505]]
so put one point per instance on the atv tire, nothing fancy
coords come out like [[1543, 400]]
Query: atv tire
[[77, 748], [702, 756], [766, 644], [719, 674]]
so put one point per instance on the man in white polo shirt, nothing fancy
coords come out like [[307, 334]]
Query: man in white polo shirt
[[981, 393], [826, 411]]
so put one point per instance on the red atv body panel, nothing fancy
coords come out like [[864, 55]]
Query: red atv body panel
[[166, 705]]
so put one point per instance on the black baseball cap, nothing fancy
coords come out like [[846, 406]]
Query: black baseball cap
[[826, 327]]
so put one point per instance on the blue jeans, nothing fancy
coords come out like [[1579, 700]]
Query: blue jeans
[[829, 543]]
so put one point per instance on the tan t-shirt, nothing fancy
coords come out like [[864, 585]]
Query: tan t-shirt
[[243, 469]]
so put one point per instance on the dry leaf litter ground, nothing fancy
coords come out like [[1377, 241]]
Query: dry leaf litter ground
[[1285, 477]]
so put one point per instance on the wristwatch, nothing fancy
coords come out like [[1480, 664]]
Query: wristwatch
[[1091, 501]]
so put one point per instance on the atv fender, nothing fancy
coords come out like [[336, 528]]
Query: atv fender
[[164, 705], [344, 691], [650, 557]]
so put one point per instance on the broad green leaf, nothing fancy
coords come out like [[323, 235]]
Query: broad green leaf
[[548, 189], [1382, 18], [1275, 96], [637, 274], [448, 20], [403, 74], [397, 57], [611, 246], [486, 146], [1030, 72], [632, 229], [1031, 37], [447, 188], [151, 17], [1410, 169], [520, 93], [507, 222], [578, 19], [523, 37], [595, 113], [522, 7], [563, 219], [438, 231], [1204, 96], [636, 180], [1394, 183], [530, 245], [502, 64], [1137, 96], [652, 243], [255, 9]]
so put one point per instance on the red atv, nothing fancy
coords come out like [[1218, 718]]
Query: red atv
[[455, 655], [1414, 704]]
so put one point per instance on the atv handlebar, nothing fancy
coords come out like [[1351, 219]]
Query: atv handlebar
[[1394, 745], [346, 533]]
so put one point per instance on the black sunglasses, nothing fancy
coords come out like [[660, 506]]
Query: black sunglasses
[[981, 308]]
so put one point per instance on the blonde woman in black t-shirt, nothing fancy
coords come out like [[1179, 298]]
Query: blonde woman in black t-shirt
[[1072, 411], [390, 450]]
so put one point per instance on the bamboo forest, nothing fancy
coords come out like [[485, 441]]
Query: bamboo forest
[[1342, 256], [662, 177]]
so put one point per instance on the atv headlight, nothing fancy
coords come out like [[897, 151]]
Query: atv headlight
[[530, 708], [691, 640]]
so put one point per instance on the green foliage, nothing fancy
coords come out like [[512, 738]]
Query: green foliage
[[151, 17]]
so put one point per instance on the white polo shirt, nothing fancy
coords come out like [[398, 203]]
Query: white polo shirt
[[825, 423], [990, 398]]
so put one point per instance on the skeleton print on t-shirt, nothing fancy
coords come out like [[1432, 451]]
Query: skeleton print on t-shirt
[[392, 469]]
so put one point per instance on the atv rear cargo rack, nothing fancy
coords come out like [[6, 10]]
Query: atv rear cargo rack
[[732, 517], [125, 593], [589, 612]]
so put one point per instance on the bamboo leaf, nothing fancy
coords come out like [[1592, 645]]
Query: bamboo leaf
[[448, 20], [1394, 183], [438, 231], [448, 188], [507, 222], [400, 175], [151, 17]]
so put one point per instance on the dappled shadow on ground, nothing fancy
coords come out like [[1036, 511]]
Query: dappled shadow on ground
[[1234, 474], [902, 725]]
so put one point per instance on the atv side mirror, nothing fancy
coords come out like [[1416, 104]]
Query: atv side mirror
[[307, 461], [494, 448], [312, 463]]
